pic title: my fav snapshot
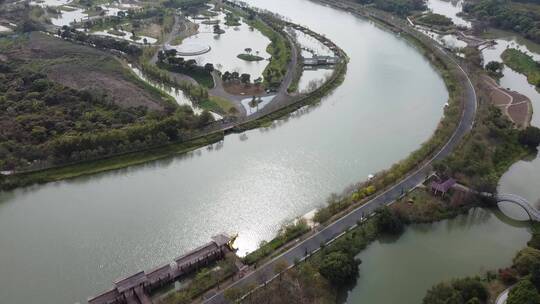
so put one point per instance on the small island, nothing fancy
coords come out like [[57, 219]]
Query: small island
[[247, 56]]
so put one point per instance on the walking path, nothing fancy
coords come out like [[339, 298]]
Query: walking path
[[515, 106]]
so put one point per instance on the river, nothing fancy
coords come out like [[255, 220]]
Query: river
[[402, 270], [65, 241]]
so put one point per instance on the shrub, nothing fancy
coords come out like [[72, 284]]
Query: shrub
[[389, 221], [526, 259], [530, 137], [523, 293], [339, 268]]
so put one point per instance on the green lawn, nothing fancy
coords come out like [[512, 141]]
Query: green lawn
[[217, 104], [524, 64]]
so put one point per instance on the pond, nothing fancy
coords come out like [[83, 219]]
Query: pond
[[225, 48], [450, 9], [402, 270]]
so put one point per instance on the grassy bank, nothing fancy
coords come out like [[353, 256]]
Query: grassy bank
[[108, 164], [524, 64], [218, 105]]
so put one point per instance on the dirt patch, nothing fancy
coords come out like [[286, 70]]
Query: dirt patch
[[120, 91], [516, 106], [81, 67], [153, 30], [498, 98], [520, 114], [242, 89]]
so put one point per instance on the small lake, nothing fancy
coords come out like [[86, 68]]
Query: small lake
[[450, 9], [225, 48], [402, 270]]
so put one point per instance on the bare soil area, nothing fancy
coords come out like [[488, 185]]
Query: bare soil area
[[121, 91], [242, 89], [515, 106], [82, 67]]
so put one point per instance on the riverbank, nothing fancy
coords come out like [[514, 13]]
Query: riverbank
[[210, 134], [365, 191], [499, 165]]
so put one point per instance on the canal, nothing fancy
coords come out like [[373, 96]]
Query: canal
[[65, 241]]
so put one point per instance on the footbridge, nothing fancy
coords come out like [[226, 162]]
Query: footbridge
[[533, 213]]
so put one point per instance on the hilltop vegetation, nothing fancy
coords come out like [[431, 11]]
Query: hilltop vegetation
[[521, 18], [61, 102]]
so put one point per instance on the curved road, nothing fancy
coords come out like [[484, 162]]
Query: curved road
[[334, 230]]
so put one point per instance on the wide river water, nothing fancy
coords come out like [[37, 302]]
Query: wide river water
[[62, 242]]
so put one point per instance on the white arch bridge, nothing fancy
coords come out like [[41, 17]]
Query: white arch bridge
[[533, 213]]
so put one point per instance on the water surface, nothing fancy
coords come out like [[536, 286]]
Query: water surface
[[402, 270]]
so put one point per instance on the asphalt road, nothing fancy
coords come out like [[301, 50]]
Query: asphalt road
[[330, 232]]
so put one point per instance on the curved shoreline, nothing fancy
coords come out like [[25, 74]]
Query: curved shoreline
[[311, 242], [212, 133]]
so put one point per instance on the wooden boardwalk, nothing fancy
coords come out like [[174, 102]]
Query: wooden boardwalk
[[135, 288]]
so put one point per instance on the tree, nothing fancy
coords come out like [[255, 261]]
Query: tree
[[161, 56], [248, 50], [389, 222], [245, 78], [471, 288], [226, 76], [526, 259], [442, 293], [530, 137], [339, 268], [217, 29], [523, 293], [209, 67], [494, 68]]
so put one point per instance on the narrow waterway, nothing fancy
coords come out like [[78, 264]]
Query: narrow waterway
[[523, 178], [65, 241]]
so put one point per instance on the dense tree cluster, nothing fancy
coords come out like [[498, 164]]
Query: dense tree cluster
[[339, 268], [505, 15], [400, 7], [494, 68], [389, 221], [530, 137], [462, 291], [100, 41], [481, 163], [44, 122]]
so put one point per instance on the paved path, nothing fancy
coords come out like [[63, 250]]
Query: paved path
[[330, 232], [501, 299]]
